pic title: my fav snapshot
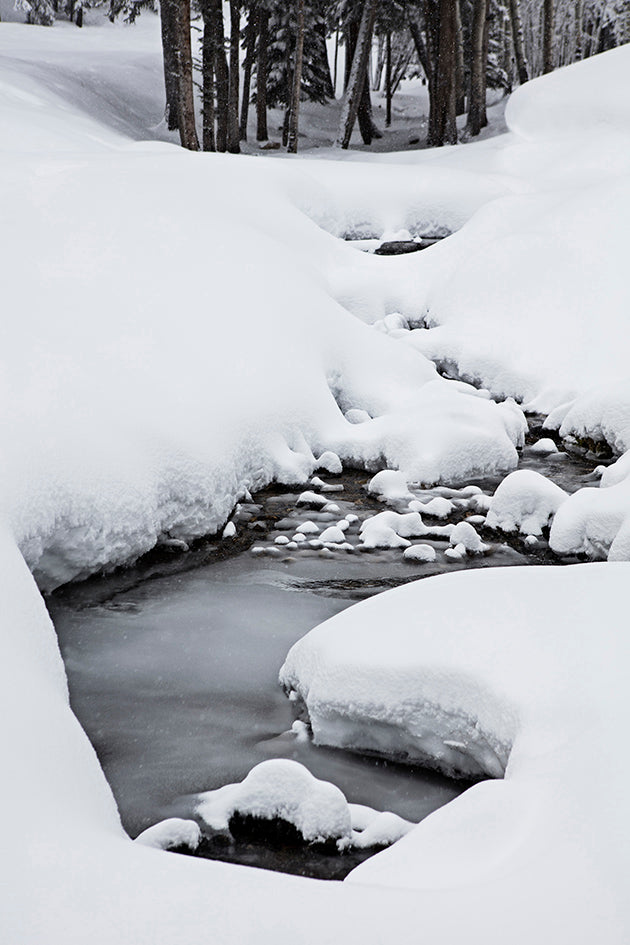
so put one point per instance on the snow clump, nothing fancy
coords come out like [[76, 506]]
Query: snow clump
[[424, 553], [525, 501], [170, 834], [390, 485]]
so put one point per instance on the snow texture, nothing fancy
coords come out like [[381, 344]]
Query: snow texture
[[526, 502], [171, 833]]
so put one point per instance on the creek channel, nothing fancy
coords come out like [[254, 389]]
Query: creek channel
[[173, 664]]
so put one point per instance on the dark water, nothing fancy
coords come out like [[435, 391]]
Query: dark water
[[173, 665]]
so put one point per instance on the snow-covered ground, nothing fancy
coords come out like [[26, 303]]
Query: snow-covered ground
[[179, 328]]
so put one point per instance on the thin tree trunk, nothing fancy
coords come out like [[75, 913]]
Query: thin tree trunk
[[579, 19], [247, 70], [484, 68], [517, 39], [358, 75], [477, 67], [221, 73], [443, 129], [168, 23], [388, 78], [261, 76], [336, 56], [207, 49], [186, 116], [548, 25], [233, 130], [461, 91], [292, 144]]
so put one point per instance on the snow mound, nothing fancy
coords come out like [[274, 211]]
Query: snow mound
[[420, 553], [525, 501], [283, 789], [516, 672], [464, 534], [171, 833], [390, 486]]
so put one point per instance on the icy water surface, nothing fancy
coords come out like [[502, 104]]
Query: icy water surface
[[173, 665]]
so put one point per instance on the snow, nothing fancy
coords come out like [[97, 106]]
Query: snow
[[283, 789], [544, 446], [171, 833], [525, 501], [420, 553], [516, 672], [464, 534], [155, 371]]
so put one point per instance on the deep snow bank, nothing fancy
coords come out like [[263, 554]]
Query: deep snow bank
[[171, 342], [528, 661]]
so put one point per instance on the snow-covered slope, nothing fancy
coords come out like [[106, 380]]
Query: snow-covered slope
[[178, 328]]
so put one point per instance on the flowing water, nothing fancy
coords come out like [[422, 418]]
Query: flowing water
[[173, 665]]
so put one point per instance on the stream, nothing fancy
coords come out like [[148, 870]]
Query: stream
[[173, 664]]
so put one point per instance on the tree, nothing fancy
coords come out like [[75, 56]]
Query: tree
[[292, 144], [548, 36], [443, 115], [358, 74], [517, 38], [477, 109]]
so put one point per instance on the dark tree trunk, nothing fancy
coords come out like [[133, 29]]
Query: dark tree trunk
[[461, 85], [292, 144], [443, 127], [517, 39], [233, 130], [548, 25], [250, 51], [484, 70], [221, 73], [261, 76], [207, 51], [329, 87], [168, 22], [476, 110], [358, 74], [186, 116]]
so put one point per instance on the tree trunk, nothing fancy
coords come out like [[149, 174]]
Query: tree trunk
[[207, 51], [461, 90], [233, 130], [517, 39], [548, 25], [476, 107], [250, 46], [221, 73], [579, 18], [168, 23], [186, 116], [388, 78], [484, 68], [292, 145], [261, 76], [443, 128], [358, 74]]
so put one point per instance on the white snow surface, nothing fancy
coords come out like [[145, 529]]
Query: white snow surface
[[173, 832], [526, 502], [158, 362], [518, 669], [284, 789], [596, 522]]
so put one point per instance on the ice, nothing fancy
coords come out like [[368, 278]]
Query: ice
[[525, 501], [171, 833]]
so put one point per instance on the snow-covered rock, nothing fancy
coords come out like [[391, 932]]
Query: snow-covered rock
[[464, 534], [544, 446], [171, 833], [420, 553], [390, 486], [283, 789], [525, 501]]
